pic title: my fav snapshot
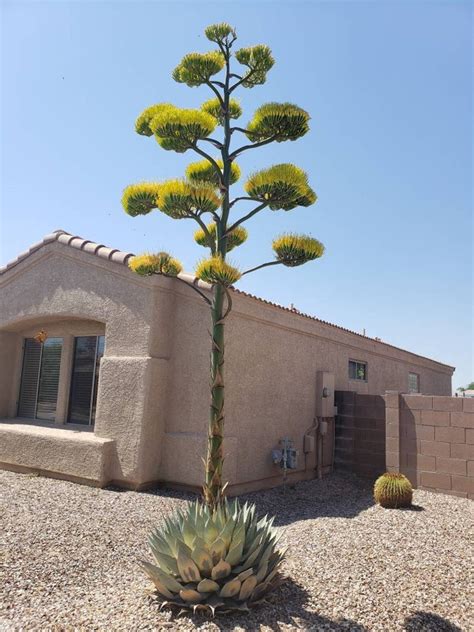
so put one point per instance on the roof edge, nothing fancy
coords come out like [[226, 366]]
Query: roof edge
[[120, 257]]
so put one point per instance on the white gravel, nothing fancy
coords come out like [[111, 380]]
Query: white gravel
[[69, 560]]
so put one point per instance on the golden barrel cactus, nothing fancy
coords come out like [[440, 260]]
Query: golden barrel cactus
[[393, 491], [214, 560]]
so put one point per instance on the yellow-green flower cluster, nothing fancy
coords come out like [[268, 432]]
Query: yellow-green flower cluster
[[258, 60], [283, 186], [142, 124], [180, 199], [214, 108], [178, 129], [234, 238], [204, 171], [294, 250], [141, 198], [175, 128], [216, 270], [159, 263], [220, 33], [281, 121], [197, 68]]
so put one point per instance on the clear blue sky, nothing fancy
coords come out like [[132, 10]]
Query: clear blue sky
[[388, 86]]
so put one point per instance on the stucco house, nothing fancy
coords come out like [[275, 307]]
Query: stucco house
[[118, 392]]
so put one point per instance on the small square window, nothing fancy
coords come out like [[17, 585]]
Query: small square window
[[413, 383], [358, 370]]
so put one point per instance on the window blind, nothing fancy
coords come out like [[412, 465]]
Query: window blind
[[40, 379], [29, 379], [49, 379]]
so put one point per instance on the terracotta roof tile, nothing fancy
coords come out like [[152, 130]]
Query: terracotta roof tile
[[74, 241]]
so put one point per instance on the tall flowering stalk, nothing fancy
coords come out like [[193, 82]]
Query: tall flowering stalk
[[204, 195]]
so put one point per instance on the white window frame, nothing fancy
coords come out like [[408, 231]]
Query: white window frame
[[358, 379]]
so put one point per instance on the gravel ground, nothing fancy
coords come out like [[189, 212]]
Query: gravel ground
[[69, 560]]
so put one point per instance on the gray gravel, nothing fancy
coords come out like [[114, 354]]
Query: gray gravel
[[68, 559]]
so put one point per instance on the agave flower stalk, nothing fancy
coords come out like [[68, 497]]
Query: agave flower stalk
[[204, 195]]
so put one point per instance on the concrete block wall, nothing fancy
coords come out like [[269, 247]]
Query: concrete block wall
[[431, 441], [360, 433]]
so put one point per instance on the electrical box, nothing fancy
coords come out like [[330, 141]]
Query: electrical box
[[324, 394], [309, 442]]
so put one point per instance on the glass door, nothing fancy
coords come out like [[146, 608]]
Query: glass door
[[88, 350]]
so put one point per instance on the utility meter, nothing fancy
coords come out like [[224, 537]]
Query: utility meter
[[286, 456]]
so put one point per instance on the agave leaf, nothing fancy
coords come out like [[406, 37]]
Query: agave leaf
[[199, 543], [259, 591], [247, 588], [266, 554], [207, 586], [203, 560], [221, 569], [202, 608], [235, 552], [262, 571], [165, 562], [239, 534], [272, 574], [189, 534], [167, 580], [227, 531], [187, 567], [160, 587], [218, 550], [210, 531], [251, 536], [219, 519], [230, 589], [243, 576], [275, 559], [191, 596], [160, 543], [167, 604], [252, 558], [214, 602]]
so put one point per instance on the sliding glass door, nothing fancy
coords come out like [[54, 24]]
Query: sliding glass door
[[88, 350], [40, 379]]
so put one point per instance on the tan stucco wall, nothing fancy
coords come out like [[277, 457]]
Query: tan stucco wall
[[153, 387], [272, 358], [62, 290]]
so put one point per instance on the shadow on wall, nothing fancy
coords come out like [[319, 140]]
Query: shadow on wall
[[292, 610], [339, 495], [429, 622]]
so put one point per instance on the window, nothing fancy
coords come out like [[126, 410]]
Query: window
[[40, 379], [88, 350], [413, 383], [357, 370]]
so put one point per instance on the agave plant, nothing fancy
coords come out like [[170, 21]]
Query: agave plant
[[217, 555], [214, 560]]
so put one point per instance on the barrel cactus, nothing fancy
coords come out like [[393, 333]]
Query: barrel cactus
[[393, 491], [214, 560]]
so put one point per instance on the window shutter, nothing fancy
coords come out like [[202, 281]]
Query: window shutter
[[49, 379], [29, 379]]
